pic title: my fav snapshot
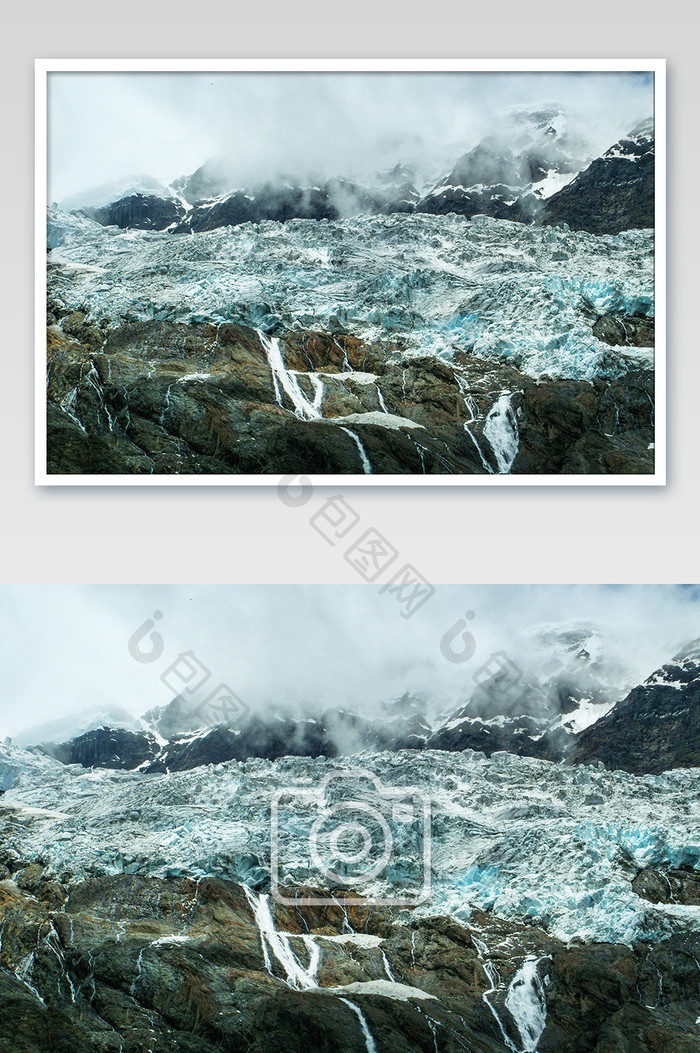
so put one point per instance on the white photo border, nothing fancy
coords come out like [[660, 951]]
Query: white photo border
[[44, 66]]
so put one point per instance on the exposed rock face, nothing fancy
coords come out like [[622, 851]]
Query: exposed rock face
[[671, 885], [125, 963], [139, 212], [616, 192], [566, 425], [656, 727], [171, 398], [629, 330], [106, 748]]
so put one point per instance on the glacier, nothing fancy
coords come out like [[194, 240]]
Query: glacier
[[423, 284], [521, 837]]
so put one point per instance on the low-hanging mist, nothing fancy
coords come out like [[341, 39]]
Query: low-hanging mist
[[304, 648], [263, 126]]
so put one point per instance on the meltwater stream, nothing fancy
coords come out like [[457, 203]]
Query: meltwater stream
[[369, 1041], [299, 977], [525, 1000], [366, 466]]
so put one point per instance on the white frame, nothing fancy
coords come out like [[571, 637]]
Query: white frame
[[45, 66]]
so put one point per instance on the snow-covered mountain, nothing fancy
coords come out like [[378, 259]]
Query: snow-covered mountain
[[70, 727], [531, 156], [508, 174], [579, 677], [343, 328], [108, 193], [575, 702]]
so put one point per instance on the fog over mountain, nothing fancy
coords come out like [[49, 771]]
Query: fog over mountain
[[106, 126], [66, 647]]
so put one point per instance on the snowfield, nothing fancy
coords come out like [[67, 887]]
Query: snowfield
[[434, 284]]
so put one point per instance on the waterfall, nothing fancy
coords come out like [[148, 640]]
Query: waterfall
[[501, 430], [303, 409], [526, 1003], [366, 466], [298, 977], [369, 1041]]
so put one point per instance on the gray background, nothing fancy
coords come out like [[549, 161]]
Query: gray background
[[169, 534]]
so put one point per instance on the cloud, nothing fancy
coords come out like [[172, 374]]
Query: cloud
[[306, 646], [104, 126]]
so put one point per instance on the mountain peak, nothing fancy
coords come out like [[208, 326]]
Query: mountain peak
[[689, 654]]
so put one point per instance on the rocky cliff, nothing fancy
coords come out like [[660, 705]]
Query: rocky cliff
[[616, 192], [656, 727], [170, 398], [128, 963]]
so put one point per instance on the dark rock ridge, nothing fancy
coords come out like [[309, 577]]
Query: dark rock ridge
[[138, 212], [106, 748], [336, 199], [165, 397], [656, 727], [498, 201], [615, 193], [125, 963], [334, 732]]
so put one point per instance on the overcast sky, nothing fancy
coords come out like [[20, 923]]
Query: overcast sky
[[66, 647], [104, 126]]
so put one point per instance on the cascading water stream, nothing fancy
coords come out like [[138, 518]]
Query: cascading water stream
[[501, 431], [369, 1041], [303, 409], [527, 1005], [298, 977], [382, 403], [493, 978], [366, 466]]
